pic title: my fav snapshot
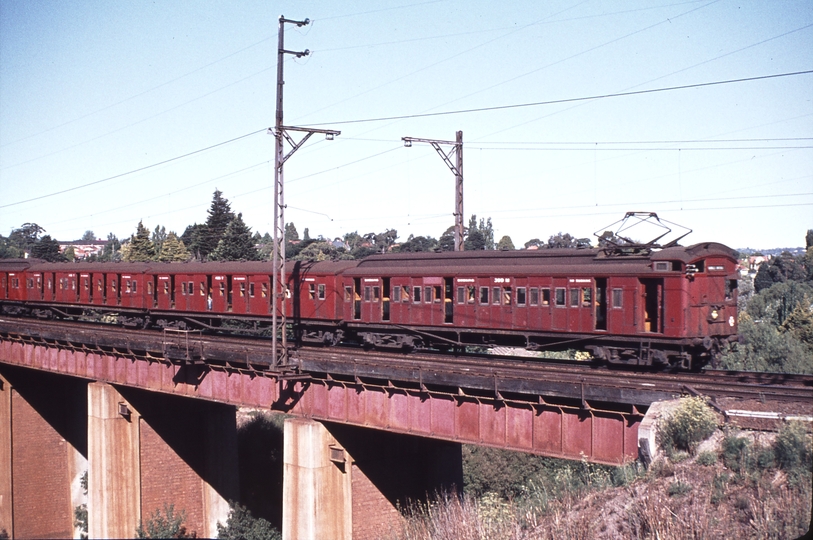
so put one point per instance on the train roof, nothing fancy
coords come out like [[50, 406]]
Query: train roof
[[17, 265]]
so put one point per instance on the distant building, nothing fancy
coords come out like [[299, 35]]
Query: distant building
[[82, 250]]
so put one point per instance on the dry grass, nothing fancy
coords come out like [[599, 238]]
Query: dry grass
[[718, 504]]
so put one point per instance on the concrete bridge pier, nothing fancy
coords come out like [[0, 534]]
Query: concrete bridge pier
[[345, 482], [147, 450], [43, 452]]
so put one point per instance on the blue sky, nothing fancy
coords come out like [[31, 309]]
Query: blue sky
[[111, 93]]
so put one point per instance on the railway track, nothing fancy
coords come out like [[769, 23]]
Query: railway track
[[470, 376]]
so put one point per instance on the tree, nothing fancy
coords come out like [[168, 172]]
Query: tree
[[809, 239], [290, 232], [69, 254], [418, 243], [141, 248], [241, 525], [446, 240], [565, 240], [173, 249], [159, 235], [26, 236], [220, 215], [48, 249], [534, 243], [9, 251], [237, 243], [89, 237], [164, 525], [505, 243], [306, 235], [480, 235], [193, 237], [322, 251], [111, 249]]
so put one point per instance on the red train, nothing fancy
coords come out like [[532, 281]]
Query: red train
[[670, 307]]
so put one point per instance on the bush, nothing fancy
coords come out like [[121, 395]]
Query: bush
[[678, 488], [241, 525], [792, 446], [689, 424], [706, 459], [737, 453], [164, 525]]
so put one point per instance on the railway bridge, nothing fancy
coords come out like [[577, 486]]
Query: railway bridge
[[151, 416]]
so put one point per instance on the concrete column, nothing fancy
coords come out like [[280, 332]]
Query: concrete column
[[317, 500], [114, 476]]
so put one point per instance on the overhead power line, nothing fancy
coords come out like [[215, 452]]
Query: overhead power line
[[568, 100], [109, 178]]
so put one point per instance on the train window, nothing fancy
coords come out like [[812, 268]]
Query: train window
[[661, 266], [191, 288], [461, 295], [251, 290], [348, 293], [135, 285], [222, 288], [438, 294], [367, 293], [427, 294], [575, 297], [545, 297], [417, 296], [149, 287], [30, 283], [618, 295], [730, 287], [183, 288], [587, 296], [506, 296], [376, 293], [534, 300], [166, 287], [73, 284], [321, 290], [396, 294], [560, 296], [242, 290], [405, 293], [311, 291], [15, 283], [495, 295], [484, 295], [112, 285], [202, 288], [471, 293], [86, 283], [99, 285], [520, 296], [264, 289]]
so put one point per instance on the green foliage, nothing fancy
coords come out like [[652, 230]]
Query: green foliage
[[792, 447], [236, 243], [241, 525], [290, 233], [678, 488], [446, 240], [166, 524], [763, 347], [220, 215], [89, 237], [173, 249], [737, 453], [506, 243], [48, 249], [141, 248], [479, 236], [112, 249], [690, 423], [706, 459], [321, 251], [418, 243]]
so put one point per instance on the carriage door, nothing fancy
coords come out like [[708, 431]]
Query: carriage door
[[371, 304], [651, 293], [601, 304], [239, 294], [357, 298]]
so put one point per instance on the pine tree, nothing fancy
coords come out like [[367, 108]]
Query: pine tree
[[237, 243], [141, 248], [47, 249], [173, 249], [220, 215], [159, 236]]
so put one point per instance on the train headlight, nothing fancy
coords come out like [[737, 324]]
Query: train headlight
[[714, 314]]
